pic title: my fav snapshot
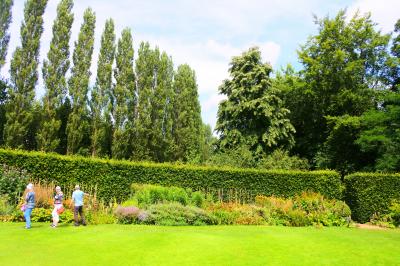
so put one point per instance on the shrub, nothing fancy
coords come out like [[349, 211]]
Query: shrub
[[126, 215], [44, 215], [12, 182], [234, 213], [198, 199], [176, 214], [305, 209], [144, 195], [114, 177], [369, 193], [5, 207]]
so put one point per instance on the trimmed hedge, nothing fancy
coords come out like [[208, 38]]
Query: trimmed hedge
[[367, 193], [113, 178]]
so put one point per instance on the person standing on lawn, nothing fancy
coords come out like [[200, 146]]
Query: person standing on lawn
[[58, 207], [77, 198], [29, 205]]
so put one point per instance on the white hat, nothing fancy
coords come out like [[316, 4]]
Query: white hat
[[77, 187], [29, 186], [58, 188]]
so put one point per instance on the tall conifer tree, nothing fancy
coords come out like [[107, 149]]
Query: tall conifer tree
[[101, 93], [187, 115], [78, 124], [5, 20], [24, 75], [54, 70], [124, 95]]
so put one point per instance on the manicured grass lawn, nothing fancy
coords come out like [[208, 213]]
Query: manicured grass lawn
[[207, 245]]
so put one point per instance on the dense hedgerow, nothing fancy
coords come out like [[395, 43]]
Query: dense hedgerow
[[114, 178], [369, 193]]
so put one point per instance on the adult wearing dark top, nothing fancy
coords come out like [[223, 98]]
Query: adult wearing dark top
[[58, 198], [29, 205]]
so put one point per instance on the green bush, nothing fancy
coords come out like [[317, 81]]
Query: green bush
[[12, 182], [44, 215], [369, 193], [176, 214], [304, 210], [5, 207], [113, 178]]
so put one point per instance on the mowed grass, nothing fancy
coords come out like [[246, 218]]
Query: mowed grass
[[205, 245]]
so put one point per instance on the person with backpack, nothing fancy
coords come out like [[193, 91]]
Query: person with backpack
[[29, 205], [58, 207]]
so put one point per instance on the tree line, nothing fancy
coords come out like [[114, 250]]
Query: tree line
[[140, 106], [340, 111]]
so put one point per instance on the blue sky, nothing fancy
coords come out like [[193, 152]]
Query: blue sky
[[206, 34]]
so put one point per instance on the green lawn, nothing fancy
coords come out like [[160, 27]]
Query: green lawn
[[206, 245]]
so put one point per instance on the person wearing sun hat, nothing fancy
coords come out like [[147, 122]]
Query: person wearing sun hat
[[29, 205]]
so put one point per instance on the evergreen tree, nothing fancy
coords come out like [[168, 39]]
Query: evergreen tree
[[162, 109], [3, 104], [253, 114], [153, 138], [5, 20], [78, 125], [145, 83], [54, 70], [101, 93], [23, 73], [124, 95], [188, 125]]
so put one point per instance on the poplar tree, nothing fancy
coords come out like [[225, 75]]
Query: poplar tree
[[54, 70], [124, 96], [162, 109], [101, 93], [78, 124], [145, 82], [5, 20], [187, 115], [24, 75]]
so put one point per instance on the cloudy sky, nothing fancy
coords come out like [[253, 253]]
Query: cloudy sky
[[206, 34]]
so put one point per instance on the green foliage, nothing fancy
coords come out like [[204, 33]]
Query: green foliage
[[24, 75], [342, 66], [381, 134], [253, 114], [54, 70], [152, 194], [177, 214], [12, 183], [242, 157], [101, 100], [5, 20], [187, 123], [79, 84], [3, 104], [341, 151], [124, 96], [305, 209], [5, 207], [369, 193], [115, 177], [281, 159]]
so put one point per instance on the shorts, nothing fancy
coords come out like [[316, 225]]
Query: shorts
[[54, 213]]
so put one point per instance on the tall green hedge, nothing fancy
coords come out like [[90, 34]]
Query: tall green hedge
[[367, 193], [113, 178]]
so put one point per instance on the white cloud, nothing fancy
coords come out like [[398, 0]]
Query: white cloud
[[384, 12], [204, 34]]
